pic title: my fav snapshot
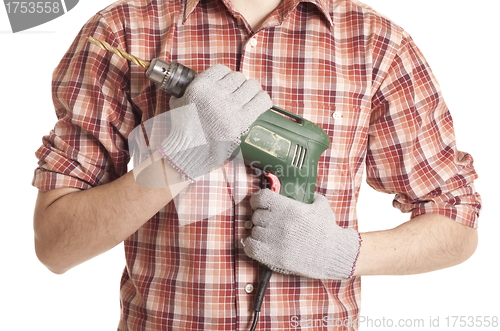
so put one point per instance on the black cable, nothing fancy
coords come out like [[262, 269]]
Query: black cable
[[261, 291], [255, 320]]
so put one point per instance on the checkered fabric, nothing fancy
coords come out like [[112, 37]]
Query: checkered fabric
[[337, 63]]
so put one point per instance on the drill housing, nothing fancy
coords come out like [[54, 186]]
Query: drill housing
[[287, 148]]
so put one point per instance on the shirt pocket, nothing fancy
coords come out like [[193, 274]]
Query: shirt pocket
[[341, 166]]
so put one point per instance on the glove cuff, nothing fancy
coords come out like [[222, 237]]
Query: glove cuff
[[353, 269], [345, 255], [175, 165]]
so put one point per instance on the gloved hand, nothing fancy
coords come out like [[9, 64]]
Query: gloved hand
[[301, 239], [208, 121]]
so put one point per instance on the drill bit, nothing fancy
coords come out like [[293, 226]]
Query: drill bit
[[119, 52], [172, 77]]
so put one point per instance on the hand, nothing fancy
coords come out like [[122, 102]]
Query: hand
[[208, 121], [301, 239]]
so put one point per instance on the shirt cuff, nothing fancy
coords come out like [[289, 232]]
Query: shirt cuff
[[46, 180]]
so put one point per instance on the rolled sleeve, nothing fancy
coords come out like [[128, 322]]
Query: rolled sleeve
[[412, 147], [88, 145]]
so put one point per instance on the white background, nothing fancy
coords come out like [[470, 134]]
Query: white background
[[460, 41]]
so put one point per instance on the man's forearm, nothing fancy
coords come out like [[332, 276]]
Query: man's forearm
[[72, 226], [425, 243]]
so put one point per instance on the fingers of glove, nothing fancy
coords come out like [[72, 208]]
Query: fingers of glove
[[260, 217], [265, 254], [219, 77], [249, 91], [262, 199], [231, 82], [202, 86], [257, 250], [213, 74], [251, 247], [258, 104], [279, 204], [272, 227]]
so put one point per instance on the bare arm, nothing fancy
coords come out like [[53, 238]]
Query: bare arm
[[72, 226], [426, 243]]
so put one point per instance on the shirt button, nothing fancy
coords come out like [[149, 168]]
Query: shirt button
[[248, 225], [253, 42], [249, 288], [337, 115]]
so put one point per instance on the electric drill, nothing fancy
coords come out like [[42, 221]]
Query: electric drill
[[284, 147], [280, 145]]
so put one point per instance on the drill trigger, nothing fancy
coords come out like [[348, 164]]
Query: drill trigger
[[273, 181]]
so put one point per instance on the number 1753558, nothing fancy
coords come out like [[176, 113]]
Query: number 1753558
[[39, 7]]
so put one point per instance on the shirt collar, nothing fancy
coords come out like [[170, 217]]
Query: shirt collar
[[325, 6]]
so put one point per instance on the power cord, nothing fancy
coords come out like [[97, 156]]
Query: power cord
[[261, 291]]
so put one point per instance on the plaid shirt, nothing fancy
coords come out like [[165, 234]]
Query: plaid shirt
[[337, 63]]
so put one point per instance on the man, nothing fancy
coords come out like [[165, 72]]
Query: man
[[337, 63]]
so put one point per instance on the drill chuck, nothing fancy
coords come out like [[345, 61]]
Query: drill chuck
[[172, 77]]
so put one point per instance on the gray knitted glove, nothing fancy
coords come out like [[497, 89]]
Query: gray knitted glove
[[291, 237], [208, 121]]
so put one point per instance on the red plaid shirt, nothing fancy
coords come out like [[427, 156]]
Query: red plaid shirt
[[337, 63]]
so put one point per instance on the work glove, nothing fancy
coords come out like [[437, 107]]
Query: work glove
[[292, 237], [208, 121]]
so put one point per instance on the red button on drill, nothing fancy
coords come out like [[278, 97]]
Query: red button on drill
[[274, 182]]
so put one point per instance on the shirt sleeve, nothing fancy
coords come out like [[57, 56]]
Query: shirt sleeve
[[412, 148], [88, 145]]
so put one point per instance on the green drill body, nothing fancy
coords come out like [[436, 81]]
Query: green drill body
[[287, 148]]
